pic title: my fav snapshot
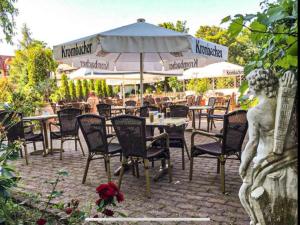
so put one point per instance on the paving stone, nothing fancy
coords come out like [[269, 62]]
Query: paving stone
[[200, 197]]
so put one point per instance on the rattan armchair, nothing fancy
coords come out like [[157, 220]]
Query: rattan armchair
[[17, 131], [217, 113], [176, 134], [224, 144], [93, 128], [211, 102], [131, 134], [68, 128]]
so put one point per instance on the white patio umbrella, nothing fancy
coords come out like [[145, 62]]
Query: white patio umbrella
[[140, 47]]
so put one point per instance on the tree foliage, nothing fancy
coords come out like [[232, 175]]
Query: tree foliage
[[85, 89], [180, 26], [98, 88], [72, 90], [175, 84], [8, 11], [64, 87], [200, 86], [79, 90], [275, 31]]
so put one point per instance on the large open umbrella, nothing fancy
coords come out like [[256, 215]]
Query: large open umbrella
[[140, 47]]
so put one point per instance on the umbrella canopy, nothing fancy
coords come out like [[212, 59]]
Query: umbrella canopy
[[140, 47], [221, 69]]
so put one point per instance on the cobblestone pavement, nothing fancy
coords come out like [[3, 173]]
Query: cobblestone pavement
[[199, 198]]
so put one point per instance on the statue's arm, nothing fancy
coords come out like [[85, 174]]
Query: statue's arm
[[251, 147]]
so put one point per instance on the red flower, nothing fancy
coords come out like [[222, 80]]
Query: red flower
[[41, 221], [113, 186], [68, 210], [108, 212], [106, 191], [120, 197]]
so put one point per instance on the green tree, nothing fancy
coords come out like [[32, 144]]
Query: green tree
[[85, 89], [224, 82], [72, 90], [104, 89], [110, 91], [275, 31], [79, 90], [200, 86], [240, 48], [64, 87], [98, 88], [91, 85], [8, 11], [180, 26], [175, 84]]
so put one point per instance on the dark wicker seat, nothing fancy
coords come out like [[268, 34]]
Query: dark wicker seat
[[218, 113], [131, 134], [211, 102], [93, 128], [16, 130], [228, 143], [68, 128], [176, 134], [130, 103], [104, 110]]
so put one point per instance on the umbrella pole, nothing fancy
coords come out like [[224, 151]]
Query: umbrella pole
[[123, 91], [141, 77]]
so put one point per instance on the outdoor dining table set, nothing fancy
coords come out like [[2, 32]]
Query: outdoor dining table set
[[137, 143]]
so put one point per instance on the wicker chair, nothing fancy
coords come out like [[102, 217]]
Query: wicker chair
[[197, 102], [104, 110], [130, 103], [225, 144], [131, 134], [93, 128], [16, 130], [211, 102], [190, 99], [176, 134], [68, 128], [212, 116]]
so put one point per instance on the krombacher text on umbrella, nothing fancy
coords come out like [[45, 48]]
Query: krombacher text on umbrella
[[207, 50], [77, 50], [183, 65]]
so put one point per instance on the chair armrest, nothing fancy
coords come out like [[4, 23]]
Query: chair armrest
[[55, 124], [214, 136], [161, 136], [110, 135]]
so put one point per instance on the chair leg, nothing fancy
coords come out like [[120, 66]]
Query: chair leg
[[80, 146], [51, 146], [132, 165], [191, 168], [136, 163], [146, 166], [222, 162], [44, 149], [86, 169], [75, 143], [183, 163], [107, 159], [105, 165], [152, 164], [61, 148], [218, 166], [187, 150], [34, 146], [170, 170], [208, 124], [124, 163], [26, 153]]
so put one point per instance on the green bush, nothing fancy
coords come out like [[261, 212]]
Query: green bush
[[78, 90], [225, 82], [200, 86], [85, 89]]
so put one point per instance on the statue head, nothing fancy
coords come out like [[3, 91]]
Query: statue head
[[262, 81]]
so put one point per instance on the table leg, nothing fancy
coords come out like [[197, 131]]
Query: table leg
[[45, 135], [193, 119]]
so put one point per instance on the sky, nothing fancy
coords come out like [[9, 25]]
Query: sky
[[59, 21]]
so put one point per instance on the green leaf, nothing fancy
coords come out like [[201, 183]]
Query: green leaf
[[275, 14], [235, 27], [249, 17], [63, 173], [287, 61], [244, 87], [226, 19], [121, 214], [257, 26]]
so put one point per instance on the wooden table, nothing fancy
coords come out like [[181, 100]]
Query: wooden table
[[43, 121], [198, 108]]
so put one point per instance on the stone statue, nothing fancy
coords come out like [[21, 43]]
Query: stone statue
[[269, 161]]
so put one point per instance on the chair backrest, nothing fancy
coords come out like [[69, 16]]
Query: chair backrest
[[179, 111], [211, 101], [131, 134], [165, 99], [14, 126], [144, 111], [227, 105], [198, 100], [94, 132], [234, 131], [68, 121], [130, 103], [190, 100], [104, 110]]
